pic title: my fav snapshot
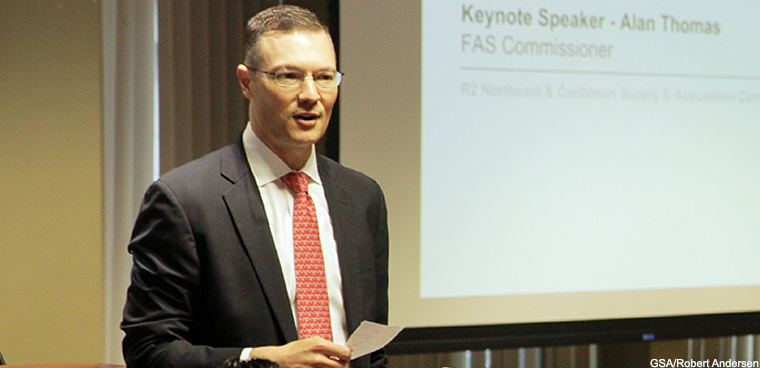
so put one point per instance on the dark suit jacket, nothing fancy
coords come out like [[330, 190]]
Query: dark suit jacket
[[206, 280]]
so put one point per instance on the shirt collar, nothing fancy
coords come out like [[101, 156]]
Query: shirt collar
[[266, 166]]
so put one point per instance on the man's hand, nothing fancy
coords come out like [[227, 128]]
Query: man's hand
[[314, 352]]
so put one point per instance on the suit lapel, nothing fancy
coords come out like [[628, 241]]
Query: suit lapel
[[244, 203], [341, 214]]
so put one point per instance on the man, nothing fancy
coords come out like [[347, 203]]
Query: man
[[217, 270]]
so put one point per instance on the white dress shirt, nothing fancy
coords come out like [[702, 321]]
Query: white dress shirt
[[278, 200]]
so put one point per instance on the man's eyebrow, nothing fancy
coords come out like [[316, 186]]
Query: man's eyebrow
[[300, 69]]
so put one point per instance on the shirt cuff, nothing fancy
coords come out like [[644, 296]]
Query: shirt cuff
[[245, 354]]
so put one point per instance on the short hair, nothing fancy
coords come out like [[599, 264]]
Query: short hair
[[281, 18]]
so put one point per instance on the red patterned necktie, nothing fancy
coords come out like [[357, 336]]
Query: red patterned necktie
[[312, 303]]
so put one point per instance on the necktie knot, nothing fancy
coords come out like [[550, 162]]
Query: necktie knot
[[297, 181]]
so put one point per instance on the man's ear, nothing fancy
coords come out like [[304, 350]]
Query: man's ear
[[245, 80]]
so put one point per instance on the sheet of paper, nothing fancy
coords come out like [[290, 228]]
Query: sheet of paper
[[369, 337]]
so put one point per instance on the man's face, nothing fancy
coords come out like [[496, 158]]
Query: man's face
[[290, 119]]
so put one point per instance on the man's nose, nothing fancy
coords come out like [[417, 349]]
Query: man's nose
[[309, 90]]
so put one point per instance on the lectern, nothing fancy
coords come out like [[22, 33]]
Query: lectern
[[66, 365]]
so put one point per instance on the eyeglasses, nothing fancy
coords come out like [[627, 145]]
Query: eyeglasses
[[325, 79]]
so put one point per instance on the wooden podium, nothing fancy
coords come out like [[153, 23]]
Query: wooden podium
[[65, 365]]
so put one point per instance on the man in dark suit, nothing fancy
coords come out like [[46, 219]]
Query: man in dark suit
[[214, 272]]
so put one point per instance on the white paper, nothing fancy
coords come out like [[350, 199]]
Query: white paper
[[369, 337]]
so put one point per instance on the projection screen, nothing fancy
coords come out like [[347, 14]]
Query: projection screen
[[551, 161]]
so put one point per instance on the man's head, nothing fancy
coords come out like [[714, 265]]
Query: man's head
[[283, 18], [290, 77]]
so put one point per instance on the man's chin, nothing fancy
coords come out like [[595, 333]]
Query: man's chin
[[308, 137]]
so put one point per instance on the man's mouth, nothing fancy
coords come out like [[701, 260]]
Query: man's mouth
[[307, 116]]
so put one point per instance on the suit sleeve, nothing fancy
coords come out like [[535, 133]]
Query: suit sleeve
[[158, 315], [379, 358]]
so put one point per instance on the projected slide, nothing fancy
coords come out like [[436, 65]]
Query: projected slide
[[589, 146]]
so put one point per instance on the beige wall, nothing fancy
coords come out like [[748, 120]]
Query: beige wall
[[51, 278]]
